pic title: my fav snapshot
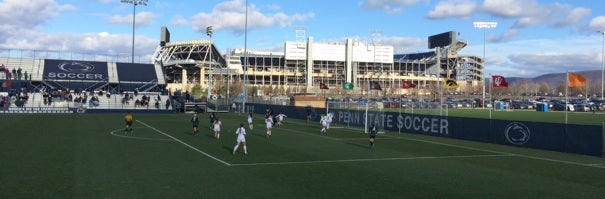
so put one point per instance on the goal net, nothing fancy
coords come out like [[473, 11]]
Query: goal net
[[353, 115]]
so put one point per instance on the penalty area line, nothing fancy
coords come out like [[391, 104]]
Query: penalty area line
[[187, 145], [369, 159]]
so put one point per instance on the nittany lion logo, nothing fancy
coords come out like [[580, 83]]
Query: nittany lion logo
[[76, 67], [451, 83], [517, 133]]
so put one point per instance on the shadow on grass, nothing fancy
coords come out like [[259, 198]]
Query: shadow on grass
[[359, 145]]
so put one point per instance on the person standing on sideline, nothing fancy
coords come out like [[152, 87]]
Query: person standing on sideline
[[241, 139], [196, 122], [217, 128], [308, 114], [250, 124], [373, 133], [128, 119]]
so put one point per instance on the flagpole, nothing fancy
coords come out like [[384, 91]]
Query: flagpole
[[367, 102], [491, 81], [566, 88], [400, 101]]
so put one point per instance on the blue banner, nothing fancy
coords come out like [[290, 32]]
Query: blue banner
[[136, 72], [570, 138], [74, 70]]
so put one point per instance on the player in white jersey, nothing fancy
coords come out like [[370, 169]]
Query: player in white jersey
[[241, 139], [217, 128], [329, 120], [324, 124], [269, 122], [280, 118], [250, 121]]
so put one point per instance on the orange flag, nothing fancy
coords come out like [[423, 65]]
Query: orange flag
[[576, 80]]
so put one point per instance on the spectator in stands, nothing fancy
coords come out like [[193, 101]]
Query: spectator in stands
[[25, 75], [136, 92], [14, 74], [187, 96], [157, 104], [19, 73], [167, 103], [233, 107]]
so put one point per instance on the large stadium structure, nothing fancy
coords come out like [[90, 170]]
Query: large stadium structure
[[300, 68], [303, 65]]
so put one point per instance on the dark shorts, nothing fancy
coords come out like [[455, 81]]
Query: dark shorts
[[129, 123], [373, 136], [195, 126]]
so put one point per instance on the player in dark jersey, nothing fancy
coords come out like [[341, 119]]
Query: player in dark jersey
[[196, 122], [212, 118], [373, 132], [128, 120]]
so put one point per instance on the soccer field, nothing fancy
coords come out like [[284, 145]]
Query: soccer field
[[89, 156]]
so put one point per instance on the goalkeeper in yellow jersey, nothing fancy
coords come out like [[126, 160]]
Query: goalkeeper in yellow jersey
[[128, 120]]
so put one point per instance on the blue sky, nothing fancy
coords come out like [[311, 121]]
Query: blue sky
[[533, 37]]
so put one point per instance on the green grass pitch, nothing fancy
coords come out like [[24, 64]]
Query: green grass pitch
[[89, 156]]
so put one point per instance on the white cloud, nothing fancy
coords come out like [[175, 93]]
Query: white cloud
[[106, 1], [142, 19], [597, 23], [573, 16], [390, 6], [531, 13], [453, 8], [179, 20], [232, 15], [406, 44], [510, 8], [24, 15], [20, 29], [506, 36], [530, 58]]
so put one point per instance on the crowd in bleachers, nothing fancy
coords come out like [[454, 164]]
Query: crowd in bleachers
[[14, 74], [17, 98], [144, 100]]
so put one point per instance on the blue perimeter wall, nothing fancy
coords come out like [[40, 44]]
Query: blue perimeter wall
[[571, 138]]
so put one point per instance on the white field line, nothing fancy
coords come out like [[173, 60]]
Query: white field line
[[196, 149], [371, 159], [138, 138]]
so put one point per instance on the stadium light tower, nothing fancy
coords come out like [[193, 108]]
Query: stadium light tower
[[134, 7], [245, 84], [602, 32], [209, 31], [484, 25]]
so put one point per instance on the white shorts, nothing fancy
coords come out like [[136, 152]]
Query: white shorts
[[241, 138], [249, 121], [269, 125], [216, 128]]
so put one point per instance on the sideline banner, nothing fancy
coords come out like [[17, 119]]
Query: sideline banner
[[74, 70], [581, 139]]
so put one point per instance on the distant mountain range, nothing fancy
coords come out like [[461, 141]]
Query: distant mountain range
[[556, 79]]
